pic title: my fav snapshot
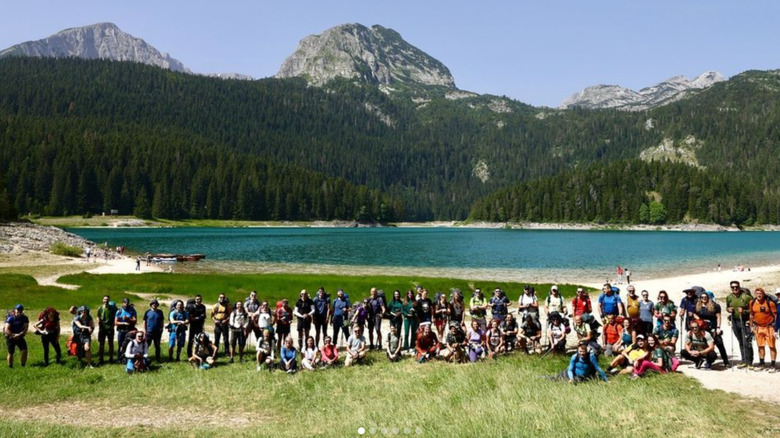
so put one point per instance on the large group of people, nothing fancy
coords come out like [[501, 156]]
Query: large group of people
[[636, 334]]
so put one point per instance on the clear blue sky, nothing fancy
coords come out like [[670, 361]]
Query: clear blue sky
[[538, 52]]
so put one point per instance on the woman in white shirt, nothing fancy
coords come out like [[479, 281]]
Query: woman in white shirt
[[239, 321], [310, 355]]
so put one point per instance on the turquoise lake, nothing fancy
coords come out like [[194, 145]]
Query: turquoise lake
[[565, 254]]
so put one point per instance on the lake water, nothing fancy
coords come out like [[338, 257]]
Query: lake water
[[536, 254]]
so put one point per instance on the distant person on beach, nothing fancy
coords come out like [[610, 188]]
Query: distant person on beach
[[154, 321], [738, 307], [138, 263], [15, 329], [763, 312], [619, 275], [48, 327], [148, 258], [88, 252], [105, 316], [628, 276]]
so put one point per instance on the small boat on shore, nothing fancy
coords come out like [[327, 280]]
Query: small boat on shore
[[164, 258], [190, 257]]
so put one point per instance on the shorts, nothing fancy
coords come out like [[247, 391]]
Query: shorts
[[176, 339], [374, 321], [85, 338], [765, 336], [15, 342], [320, 320], [282, 330], [304, 324], [104, 333]]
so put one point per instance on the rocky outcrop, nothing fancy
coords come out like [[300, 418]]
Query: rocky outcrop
[[374, 55], [18, 238], [615, 96]]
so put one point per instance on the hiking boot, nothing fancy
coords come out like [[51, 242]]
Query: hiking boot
[[707, 366], [614, 370], [760, 367], [742, 365], [634, 377], [259, 368], [750, 368], [772, 370]]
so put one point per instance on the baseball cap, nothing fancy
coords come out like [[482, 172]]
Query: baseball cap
[[554, 287], [19, 307], [126, 300], [640, 336]]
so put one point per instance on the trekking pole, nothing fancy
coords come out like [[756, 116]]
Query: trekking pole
[[733, 340]]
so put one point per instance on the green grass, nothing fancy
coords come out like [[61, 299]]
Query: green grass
[[62, 249], [507, 398]]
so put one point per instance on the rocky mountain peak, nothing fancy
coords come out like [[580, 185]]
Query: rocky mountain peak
[[373, 54]]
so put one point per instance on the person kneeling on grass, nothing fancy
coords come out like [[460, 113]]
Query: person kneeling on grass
[[699, 347], [630, 355], [329, 353], [265, 350], [530, 341], [510, 329], [495, 340], [658, 362], [454, 345], [427, 344], [393, 344], [137, 354], [582, 366], [556, 332], [287, 355], [310, 356], [476, 341], [356, 347], [203, 352]]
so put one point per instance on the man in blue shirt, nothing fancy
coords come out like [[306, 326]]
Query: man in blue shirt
[[584, 366], [499, 305], [15, 328], [688, 306], [340, 308], [321, 311], [153, 325], [124, 321], [610, 303]]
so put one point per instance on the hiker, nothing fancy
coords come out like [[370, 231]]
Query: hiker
[[83, 326], [375, 309], [137, 354], [454, 344], [762, 320], [708, 310], [612, 336], [356, 347], [124, 322], [220, 316], [699, 347], [664, 307], [321, 312], [283, 316], [499, 305], [48, 327], [203, 352], [425, 308], [610, 303], [287, 357], [667, 335], [457, 310], [252, 306], [738, 307], [265, 350], [476, 341], [441, 314], [630, 355], [310, 355], [395, 309], [238, 322], [427, 344], [688, 306], [304, 312], [329, 353], [495, 340], [339, 312], [265, 319], [106, 314], [646, 314], [178, 320], [531, 335], [582, 366], [197, 317], [632, 308], [154, 321], [659, 360], [585, 335], [478, 309], [393, 344], [15, 329], [556, 333], [580, 304], [510, 329], [527, 304], [409, 313], [555, 303]]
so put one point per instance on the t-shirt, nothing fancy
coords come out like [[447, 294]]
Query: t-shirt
[[557, 332], [710, 317], [106, 315], [198, 316], [424, 306], [632, 306], [555, 304], [392, 341], [698, 342], [735, 302], [509, 327], [395, 306], [303, 307], [665, 309], [531, 329], [494, 337], [283, 317], [581, 305], [763, 313], [16, 322], [179, 316], [266, 346], [609, 303], [476, 302], [264, 319], [633, 352], [239, 320], [287, 354], [660, 353], [646, 311], [221, 312], [320, 306], [329, 352], [355, 343], [84, 320], [125, 315], [665, 335], [375, 305], [527, 300], [251, 306], [475, 336], [456, 312], [340, 306], [583, 330], [154, 320], [613, 332]]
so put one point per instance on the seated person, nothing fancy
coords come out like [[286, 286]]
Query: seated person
[[612, 337], [203, 352], [531, 335], [287, 356], [495, 340], [667, 335], [630, 355], [556, 333], [510, 329], [586, 335], [265, 350], [658, 362], [356, 346], [393, 344], [310, 355], [427, 345], [454, 345], [476, 341], [699, 347], [582, 366], [329, 353]]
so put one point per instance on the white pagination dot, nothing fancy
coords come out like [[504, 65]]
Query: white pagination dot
[[361, 430]]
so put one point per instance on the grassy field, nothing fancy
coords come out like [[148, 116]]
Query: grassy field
[[506, 398]]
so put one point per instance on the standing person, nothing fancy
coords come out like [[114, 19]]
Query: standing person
[[499, 305], [620, 274], [304, 311], [310, 355], [265, 319], [427, 345], [441, 314], [410, 320], [688, 306], [88, 252], [124, 321], [178, 320], [340, 310], [395, 308], [476, 341], [610, 303], [708, 310], [664, 306], [527, 304], [15, 329], [628, 276], [762, 321], [321, 312], [580, 304], [287, 357], [699, 347], [376, 309], [252, 306], [106, 314], [458, 310], [356, 347], [555, 303], [138, 263], [148, 258], [478, 309], [424, 308], [48, 326], [738, 307], [137, 354], [646, 314], [265, 350], [154, 321], [83, 326], [197, 318], [283, 318], [633, 309], [393, 344], [220, 315], [238, 322], [329, 353]]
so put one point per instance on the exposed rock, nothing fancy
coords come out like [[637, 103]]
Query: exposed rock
[[459, 94], [482, 171], [374, 55], [684, 151], [16, 238]]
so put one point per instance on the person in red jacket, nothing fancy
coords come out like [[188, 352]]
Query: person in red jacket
[[581, 303], [427, 344]]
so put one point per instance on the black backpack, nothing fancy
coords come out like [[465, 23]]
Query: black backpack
[[128, 339]]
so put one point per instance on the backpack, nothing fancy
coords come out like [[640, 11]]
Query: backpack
[[190, 306], [774, 316], [127, 341], [362, 314], [703, 324], [71, 346]]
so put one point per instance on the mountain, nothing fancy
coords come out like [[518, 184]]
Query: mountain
[[98, 41], [375, 55], [615, 96]]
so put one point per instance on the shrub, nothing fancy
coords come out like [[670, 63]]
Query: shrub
[[62, 249]]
